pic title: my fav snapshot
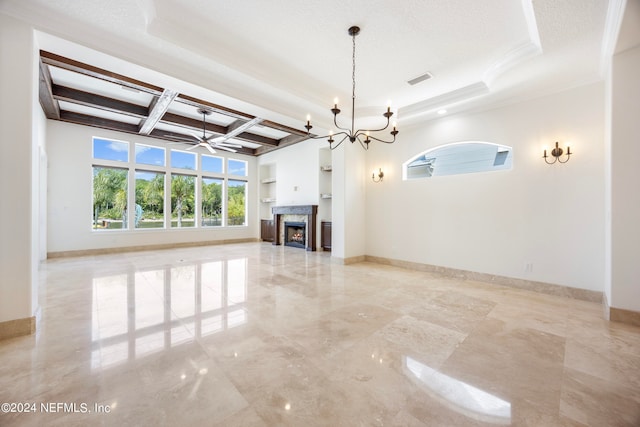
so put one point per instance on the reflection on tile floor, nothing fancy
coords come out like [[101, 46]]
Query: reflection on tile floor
[[256, 335]]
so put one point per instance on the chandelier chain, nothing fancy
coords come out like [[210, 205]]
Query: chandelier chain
[[363, 136], [353, 73]]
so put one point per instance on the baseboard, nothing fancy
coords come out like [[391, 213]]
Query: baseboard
[[121, 249], [621, 315], [350, 260], [17, 327], [605, 306], [542, 287]]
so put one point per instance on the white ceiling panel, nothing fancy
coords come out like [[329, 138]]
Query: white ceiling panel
[[96, 112], [85, 83]]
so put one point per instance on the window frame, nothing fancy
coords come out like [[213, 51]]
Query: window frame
[[133, 167], [431, 160]]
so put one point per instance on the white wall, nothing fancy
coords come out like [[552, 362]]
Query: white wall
[[69, 215], [607, 190], [18, 178], [625, 177], [40, 123], [297, 176], [550, 216], [297, 173]]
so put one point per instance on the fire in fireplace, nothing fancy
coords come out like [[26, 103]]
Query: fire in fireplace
[[294, 234]]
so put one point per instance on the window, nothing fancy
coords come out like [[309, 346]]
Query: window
[[110, 150], [149, 200], [211, 164], [237, 167], [236, 202], [168, 189], [148, 155], [182, 201], [458, 158], [183, 160], [109, 198], [211, 202]]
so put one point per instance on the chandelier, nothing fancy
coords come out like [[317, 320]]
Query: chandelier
[[363, 136]]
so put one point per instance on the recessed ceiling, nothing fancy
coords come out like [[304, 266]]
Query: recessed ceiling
[[280, 61]]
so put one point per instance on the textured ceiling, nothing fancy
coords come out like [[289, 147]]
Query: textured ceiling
[[282, 59]]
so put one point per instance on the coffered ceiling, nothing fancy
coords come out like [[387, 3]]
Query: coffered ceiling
[[80, 93], [148, 65]]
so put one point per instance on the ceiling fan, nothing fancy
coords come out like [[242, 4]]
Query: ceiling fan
[[219, 142]]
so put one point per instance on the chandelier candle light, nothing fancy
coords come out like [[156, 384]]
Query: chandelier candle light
[[350, 133]]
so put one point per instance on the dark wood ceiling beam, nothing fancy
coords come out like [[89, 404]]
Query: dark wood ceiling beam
[[170, 136], [157, 109], [246, 150], [99, 73], [191, 124], [200, 103], [50, 95], [242, 150], [257, 139], [283, 128], [49, 105], [283, 142], [235, 125], [237, 128], [98, 122], [75, 96], [86, 120]]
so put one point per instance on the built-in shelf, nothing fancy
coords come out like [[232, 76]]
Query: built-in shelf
[[325, 188], [267, 174]]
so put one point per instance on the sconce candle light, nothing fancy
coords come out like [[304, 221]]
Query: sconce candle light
[[378, 174], [556, 153]]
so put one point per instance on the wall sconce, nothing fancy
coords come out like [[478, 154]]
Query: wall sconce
[[556, 153], [378, 174]]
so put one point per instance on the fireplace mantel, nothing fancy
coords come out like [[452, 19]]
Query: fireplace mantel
[[310, 210]]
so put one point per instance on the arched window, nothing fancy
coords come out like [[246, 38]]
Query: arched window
[[458, 158]]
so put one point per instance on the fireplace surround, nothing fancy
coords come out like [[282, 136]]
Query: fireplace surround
[[308, 212]]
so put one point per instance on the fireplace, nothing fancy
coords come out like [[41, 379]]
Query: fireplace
[[295, 234], [300, 213]]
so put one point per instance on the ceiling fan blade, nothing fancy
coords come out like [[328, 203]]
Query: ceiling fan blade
[[202, 139], [210, 148], [213, 139], [227, 144], [193, 147]]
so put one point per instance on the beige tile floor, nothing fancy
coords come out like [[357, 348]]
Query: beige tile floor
[[256, 335]]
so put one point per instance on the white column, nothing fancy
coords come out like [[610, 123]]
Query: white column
[[624, 292], [19, 159], [348, 213]]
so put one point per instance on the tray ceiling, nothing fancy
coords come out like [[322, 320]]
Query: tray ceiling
[[279, 61]]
